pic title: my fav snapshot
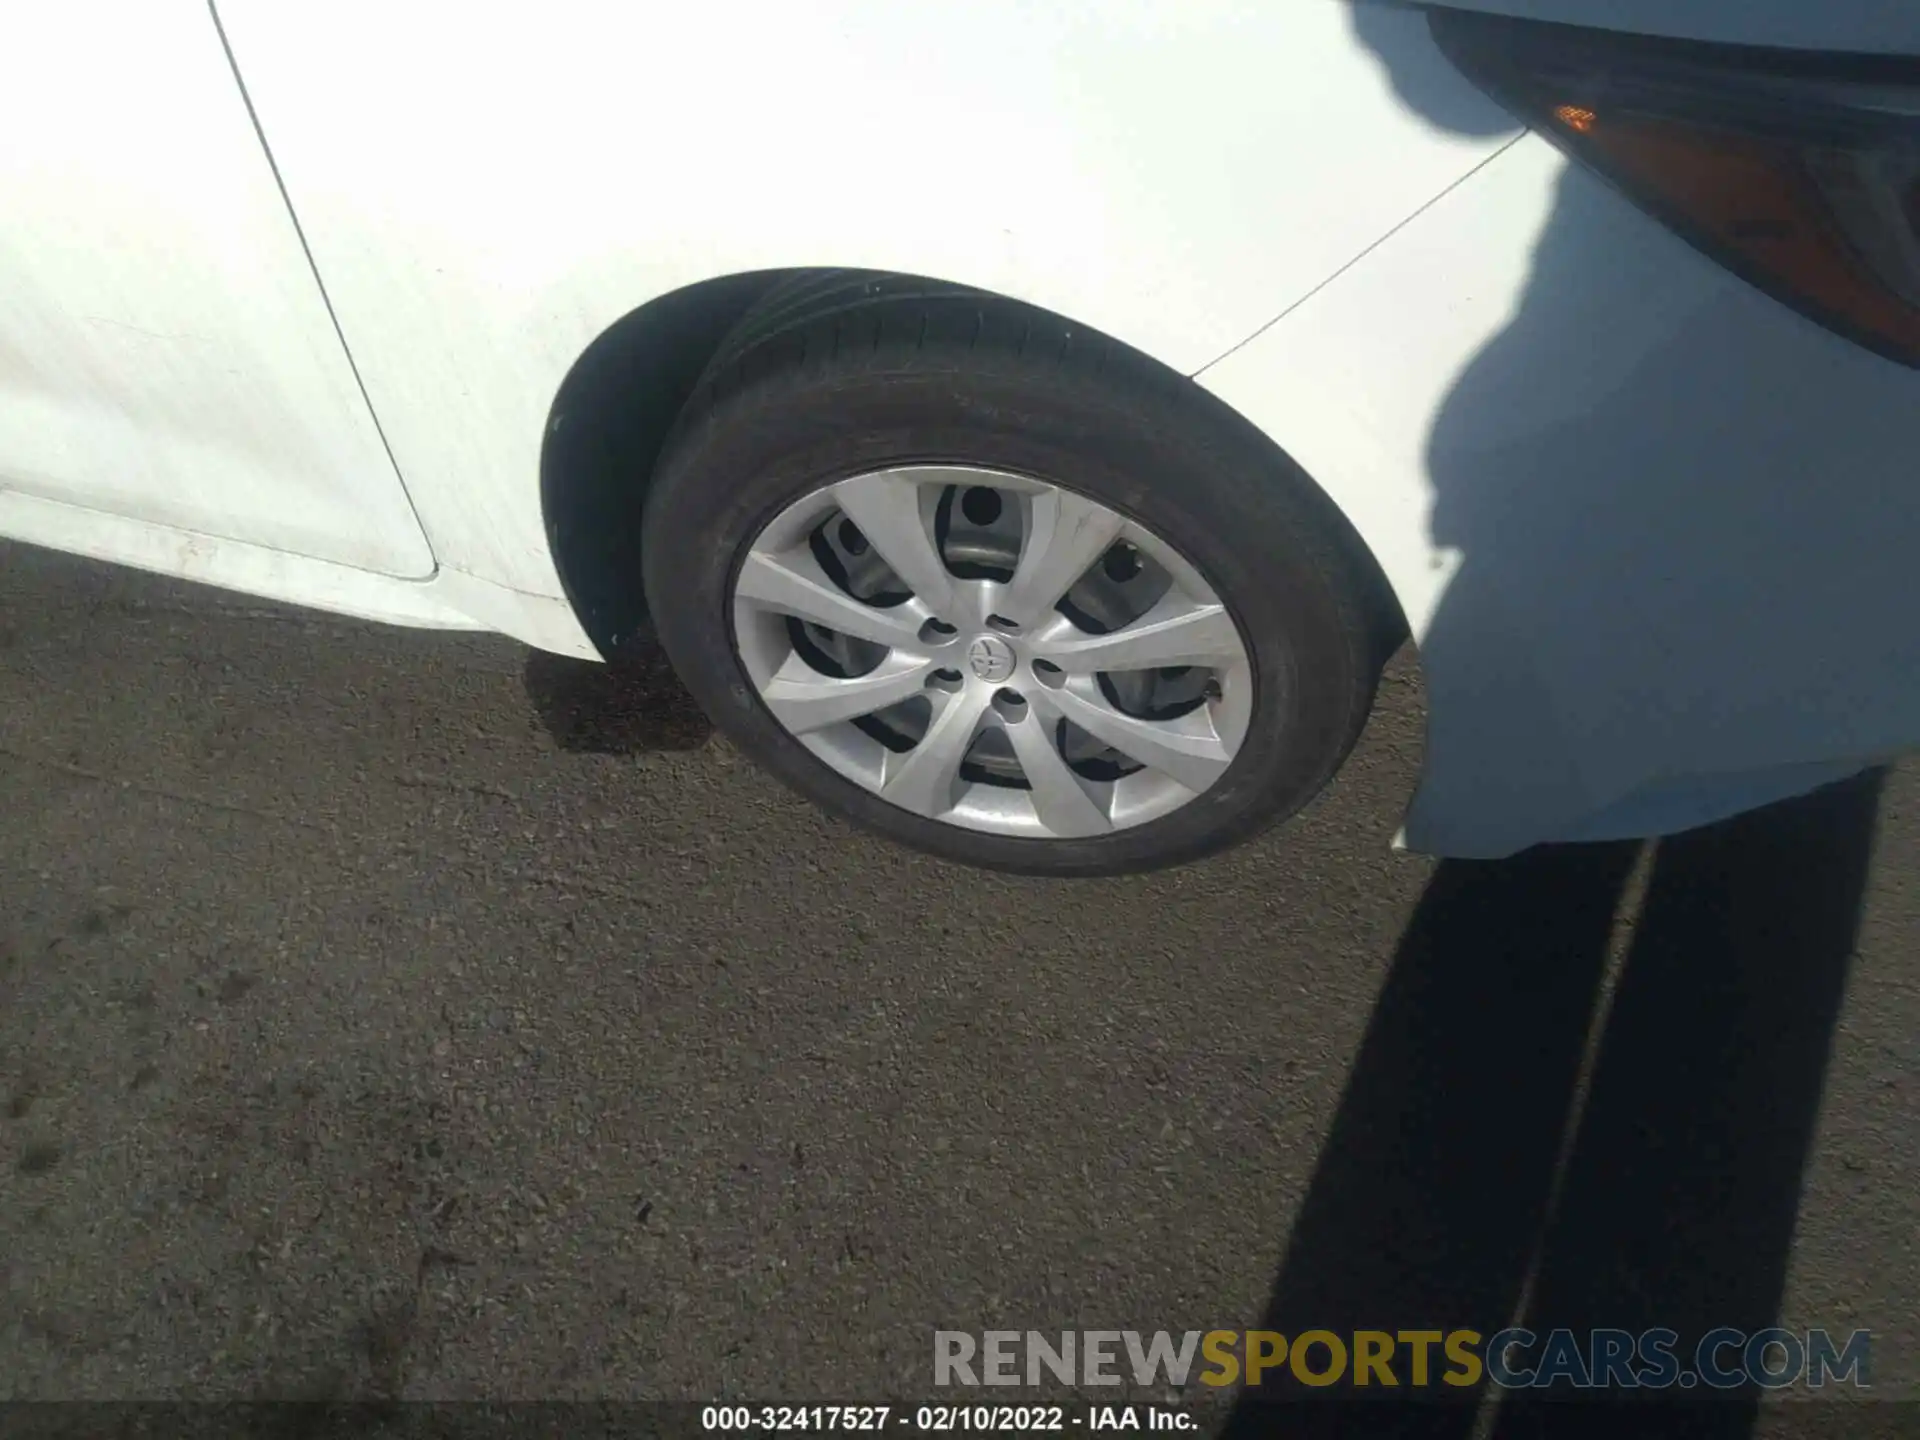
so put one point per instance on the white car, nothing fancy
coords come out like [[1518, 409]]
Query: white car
[[1027, 427]]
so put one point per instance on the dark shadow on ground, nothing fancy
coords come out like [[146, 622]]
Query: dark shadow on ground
[[634, 703], [1465, 1185]]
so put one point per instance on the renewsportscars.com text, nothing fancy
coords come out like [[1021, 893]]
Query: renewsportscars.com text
[[1514, 1359]]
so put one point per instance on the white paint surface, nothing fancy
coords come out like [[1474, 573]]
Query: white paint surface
[[485, 197], [165, 353]]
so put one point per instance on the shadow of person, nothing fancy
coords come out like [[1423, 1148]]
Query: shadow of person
[[1526, 1136], [1679, 1196], [632, 704], [1660, 574], [1433, 1182], [1511, 1148]]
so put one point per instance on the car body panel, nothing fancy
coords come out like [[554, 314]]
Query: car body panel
[[165, 351], [1653, 530], [486, 198]]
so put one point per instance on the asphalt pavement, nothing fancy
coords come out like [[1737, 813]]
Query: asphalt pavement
[[405, 1014]]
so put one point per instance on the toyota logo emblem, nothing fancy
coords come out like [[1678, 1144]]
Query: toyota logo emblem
[[991, 659]]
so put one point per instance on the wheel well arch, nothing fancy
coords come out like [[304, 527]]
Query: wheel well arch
[[605, 428], [618, 404]]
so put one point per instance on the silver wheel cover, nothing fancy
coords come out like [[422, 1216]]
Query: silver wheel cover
[[980, 688]]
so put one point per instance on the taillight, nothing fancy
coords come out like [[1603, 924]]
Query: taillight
[[1800, 172]]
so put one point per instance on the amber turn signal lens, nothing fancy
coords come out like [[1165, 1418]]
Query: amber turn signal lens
[[1574, 117], [1753, 203]]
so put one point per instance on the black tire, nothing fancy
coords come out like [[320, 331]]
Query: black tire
[[836, 376]]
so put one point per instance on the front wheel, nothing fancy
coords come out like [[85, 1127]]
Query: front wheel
[[1000, 589]]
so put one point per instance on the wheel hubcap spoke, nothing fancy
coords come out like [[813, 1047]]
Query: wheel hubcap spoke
[[794, 584], [1188, 753], [925, 778], [802, 699], [1177, 631], [893, 512], [1066, 533], [1059, 798]]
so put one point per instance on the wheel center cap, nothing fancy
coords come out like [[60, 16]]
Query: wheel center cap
[[992, 658]]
